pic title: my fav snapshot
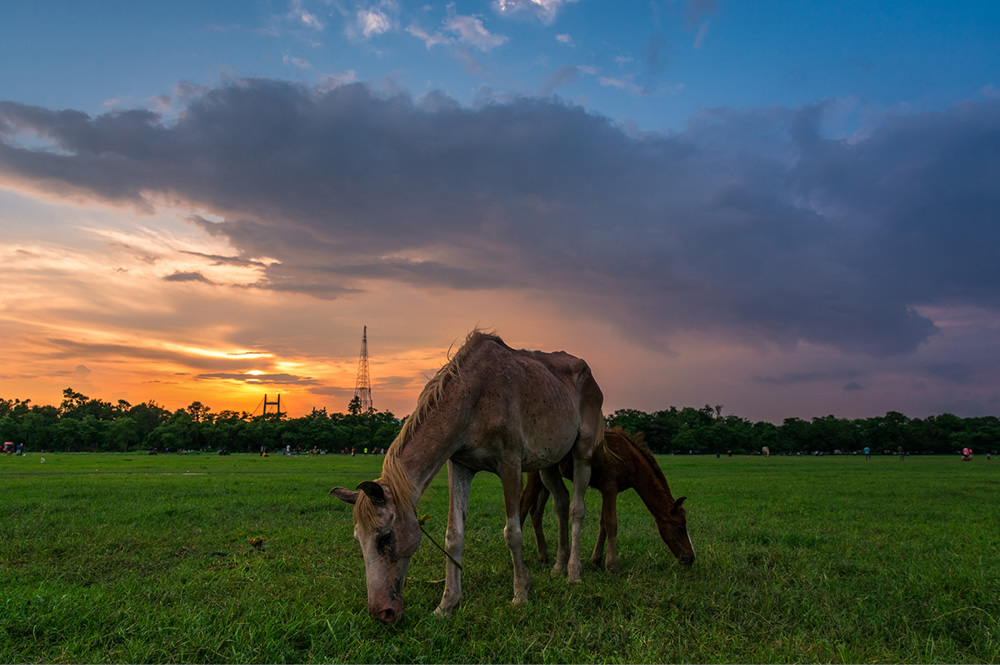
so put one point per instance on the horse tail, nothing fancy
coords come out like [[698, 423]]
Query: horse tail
[[602, 446]]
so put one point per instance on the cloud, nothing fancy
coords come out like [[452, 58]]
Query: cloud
[[621, 84], [259, 378], [300, 15], [565, 39], [328, 82], [187, 277], [545, 11], [702, 34], [460, 31], [749, 224], [298, 63], [373, 22], [469, 30]]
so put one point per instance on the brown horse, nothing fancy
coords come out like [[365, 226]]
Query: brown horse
[[621, 464], [490, 408]]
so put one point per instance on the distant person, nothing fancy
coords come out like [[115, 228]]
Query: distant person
[[765, 451], [966, 454], [868, 454], [902, 454]]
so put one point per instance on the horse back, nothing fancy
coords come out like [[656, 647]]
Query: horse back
[[547, 402]]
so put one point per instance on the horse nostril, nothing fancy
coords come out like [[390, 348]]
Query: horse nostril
[[387, 615]]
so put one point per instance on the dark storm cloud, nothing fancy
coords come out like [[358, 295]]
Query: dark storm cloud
[[749, 222], [795, 378]]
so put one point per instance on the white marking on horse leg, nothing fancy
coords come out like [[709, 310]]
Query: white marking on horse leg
[[459, 480]]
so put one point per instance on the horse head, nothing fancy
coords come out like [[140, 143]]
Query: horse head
[[388, 538], [673, 530]]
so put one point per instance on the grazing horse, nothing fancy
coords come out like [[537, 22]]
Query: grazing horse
[[622, 463], [490, 408]]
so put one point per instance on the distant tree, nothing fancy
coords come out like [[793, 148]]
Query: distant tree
[[123, 434], [199, 412]]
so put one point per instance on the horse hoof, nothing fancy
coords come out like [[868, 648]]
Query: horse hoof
[[443, 613]]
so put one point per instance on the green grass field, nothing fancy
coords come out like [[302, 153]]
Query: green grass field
[[130, 558]]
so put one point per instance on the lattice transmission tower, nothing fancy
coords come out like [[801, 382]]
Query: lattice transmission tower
[[363, 384]]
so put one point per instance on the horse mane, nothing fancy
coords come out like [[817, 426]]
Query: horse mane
[[638, 441], [432, 392], [394, 474]]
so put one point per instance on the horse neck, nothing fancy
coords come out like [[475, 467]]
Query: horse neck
[[427, 449], [651, 486]]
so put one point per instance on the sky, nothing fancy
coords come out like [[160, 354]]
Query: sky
[[789, 209]]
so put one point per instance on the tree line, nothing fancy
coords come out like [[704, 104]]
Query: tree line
[[706, 430], [83, 424]]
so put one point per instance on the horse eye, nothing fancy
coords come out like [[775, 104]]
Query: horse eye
[[384, 542]]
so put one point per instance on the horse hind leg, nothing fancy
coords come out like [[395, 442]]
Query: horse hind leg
[[560, 502], [533, 500], [510, 479], [537, 513]]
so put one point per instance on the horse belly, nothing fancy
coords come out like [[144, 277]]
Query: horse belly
[[541, 451]]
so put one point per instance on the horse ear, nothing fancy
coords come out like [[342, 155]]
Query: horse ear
[[345, 494], [374, 491], [677, 504]]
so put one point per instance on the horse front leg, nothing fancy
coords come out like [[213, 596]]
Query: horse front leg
[[459, 480], [597, 556], [609, 524], [510, 478], [577, 511]]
